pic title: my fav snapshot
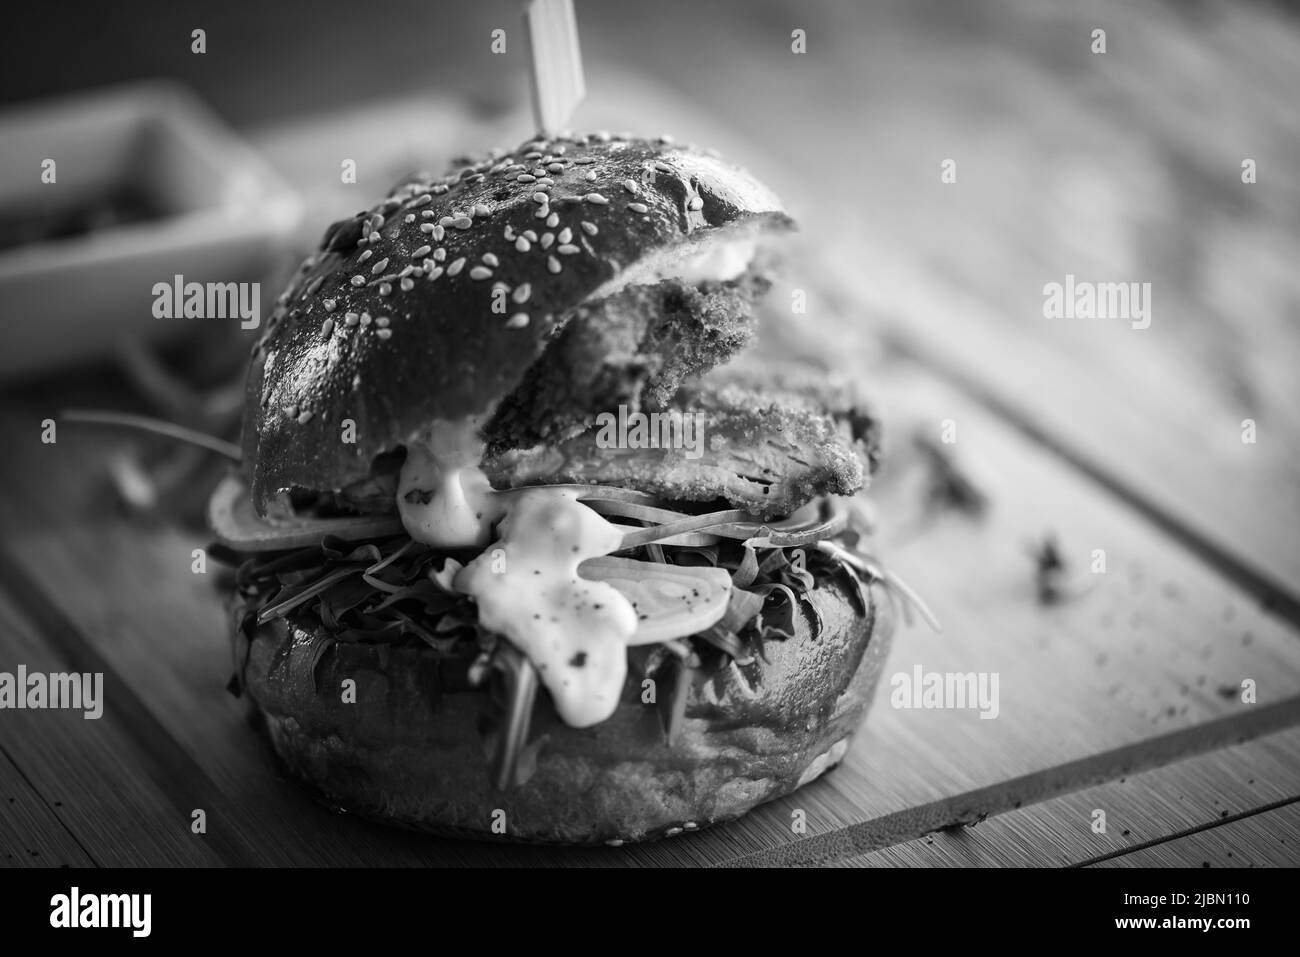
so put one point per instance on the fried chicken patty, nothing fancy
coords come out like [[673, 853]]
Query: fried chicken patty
[[767, 453], [634, 348]]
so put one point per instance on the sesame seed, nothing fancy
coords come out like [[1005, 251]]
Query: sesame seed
[[545, 181], [313, 286], [547, 239], [568, 249], [419, 270], [446, 221], [553, 264], [541, 198], [422, 200], [407, 284], [491, 260], [530, 235], [330, 305], [456, 266], [542, 212], [584, 160], [358, 280], [540, 171], [566, 235], [374, 238], [695, 203], [522, 244], [427, 227], [591, 176], [364, 256], [480, 272], [638, 207], [434, 273], [422, 252], [553, 220], [439, 232], [476, 178], [533, 155], [597, 199], [428, 214], [463, 222], [522, 292], [292, 412], [382, 321], [517, 321], [439, 189], [663, 167], [481, 210], [304, 417], [589, 228], [555, 167], [630, 186], [379, 267], [499, 167], [365, 319], [409, 218], [509, 234], [439, 255], [406, 271], [526, 178], [327, 327], [384, 333], [351, 318], [385, 289]]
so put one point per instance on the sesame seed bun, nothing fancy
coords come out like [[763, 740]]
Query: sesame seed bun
[[395, 320], [410, 750]]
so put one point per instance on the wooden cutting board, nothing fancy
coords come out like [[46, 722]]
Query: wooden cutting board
[[1135, 677]]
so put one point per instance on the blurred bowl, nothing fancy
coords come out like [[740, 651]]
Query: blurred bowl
[[148, 185]]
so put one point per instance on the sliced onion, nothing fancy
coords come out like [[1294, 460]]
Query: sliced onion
[[802, 528], [675, 600], [784, 534], [587, 493], [696, 523], [646, 513], [687, 539], [235, 524]]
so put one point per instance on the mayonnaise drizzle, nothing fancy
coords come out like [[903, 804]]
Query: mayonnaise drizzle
[[443, 497], [526, 584], [527, 588]]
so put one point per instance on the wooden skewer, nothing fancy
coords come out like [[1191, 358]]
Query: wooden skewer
[[558, 84]]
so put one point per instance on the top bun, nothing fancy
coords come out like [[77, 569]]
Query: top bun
[[434, 303]]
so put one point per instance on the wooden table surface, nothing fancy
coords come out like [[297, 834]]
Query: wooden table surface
[[1125, 697]]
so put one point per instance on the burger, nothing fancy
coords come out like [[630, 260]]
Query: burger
[[524, 548]]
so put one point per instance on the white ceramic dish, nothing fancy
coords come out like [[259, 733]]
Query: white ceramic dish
[[181, 196]]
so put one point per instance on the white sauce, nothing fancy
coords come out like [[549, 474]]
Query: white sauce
[[527, 587], [719, 261], [526, 584], [443, 498]]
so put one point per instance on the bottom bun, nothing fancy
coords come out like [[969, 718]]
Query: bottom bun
[[411, 748]]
